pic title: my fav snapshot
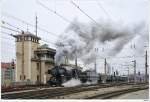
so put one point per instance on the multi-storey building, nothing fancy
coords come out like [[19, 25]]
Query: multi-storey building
[[7, 73], [32, 60]]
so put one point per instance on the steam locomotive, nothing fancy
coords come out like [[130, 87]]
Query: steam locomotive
[[60, 75]]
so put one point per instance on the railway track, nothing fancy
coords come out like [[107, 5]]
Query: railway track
[[109, 95], [43, 94], [20, 88], [57, 92]]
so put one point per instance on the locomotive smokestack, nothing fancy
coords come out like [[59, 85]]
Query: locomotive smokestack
[[76, 60], [76, 63]]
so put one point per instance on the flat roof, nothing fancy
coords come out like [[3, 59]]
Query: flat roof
[[27, 34]]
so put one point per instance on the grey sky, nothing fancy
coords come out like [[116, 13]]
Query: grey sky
[[125, 12]]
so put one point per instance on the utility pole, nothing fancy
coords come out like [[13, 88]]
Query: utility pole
[[95, 65], [40, 71], [76, 61], [36, 25], [128, 74], [36, 22], [22, 77], [146, 67], [105, 76], [112, 71], [109, 70], [66, 60], [105, 66], [96, 50], [134, 71]]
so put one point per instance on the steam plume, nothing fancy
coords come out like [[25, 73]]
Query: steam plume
[[80, 39]]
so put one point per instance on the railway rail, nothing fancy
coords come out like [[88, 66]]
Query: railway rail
[[57, 92], [109, 95], [21, 87]]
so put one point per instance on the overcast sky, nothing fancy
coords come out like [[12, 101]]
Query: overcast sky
[[127, 12]]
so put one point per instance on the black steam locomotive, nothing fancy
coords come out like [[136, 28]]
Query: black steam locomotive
[[60, 74]]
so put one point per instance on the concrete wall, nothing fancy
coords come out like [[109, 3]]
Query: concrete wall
[[30, 67], [29, 48]]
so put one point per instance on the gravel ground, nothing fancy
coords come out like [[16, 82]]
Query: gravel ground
[[82, 95], [142, 94]]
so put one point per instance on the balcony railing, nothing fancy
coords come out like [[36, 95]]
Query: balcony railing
[[47, 59]]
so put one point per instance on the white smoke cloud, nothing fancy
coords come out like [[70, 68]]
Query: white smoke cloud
[[80, 39], [72, 82]]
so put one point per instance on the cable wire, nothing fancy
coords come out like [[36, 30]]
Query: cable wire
[[4, 22], [100, 5], [10, 29], [84, 12], [27, 23], [62, 17], [20, 32]]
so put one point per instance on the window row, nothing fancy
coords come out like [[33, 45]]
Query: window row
[[27, 39]]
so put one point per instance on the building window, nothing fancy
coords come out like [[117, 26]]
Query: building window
[[37, 77], [37, 66], [24, 77]]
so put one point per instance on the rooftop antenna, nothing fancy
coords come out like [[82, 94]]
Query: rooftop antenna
[[36, 25]]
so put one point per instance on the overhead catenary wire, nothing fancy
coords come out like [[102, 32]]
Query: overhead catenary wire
[[29, 24], [4, 22], [10, 29], [20, 32], [42, 38], [10, 34], [5, 47], [9, 42], [52, 11], [13, 37], [16, 18], [122, 57], [84, 12], [100, 5], [6, 38], [56, 13]]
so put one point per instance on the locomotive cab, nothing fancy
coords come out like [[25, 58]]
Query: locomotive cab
[[58, 76]]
